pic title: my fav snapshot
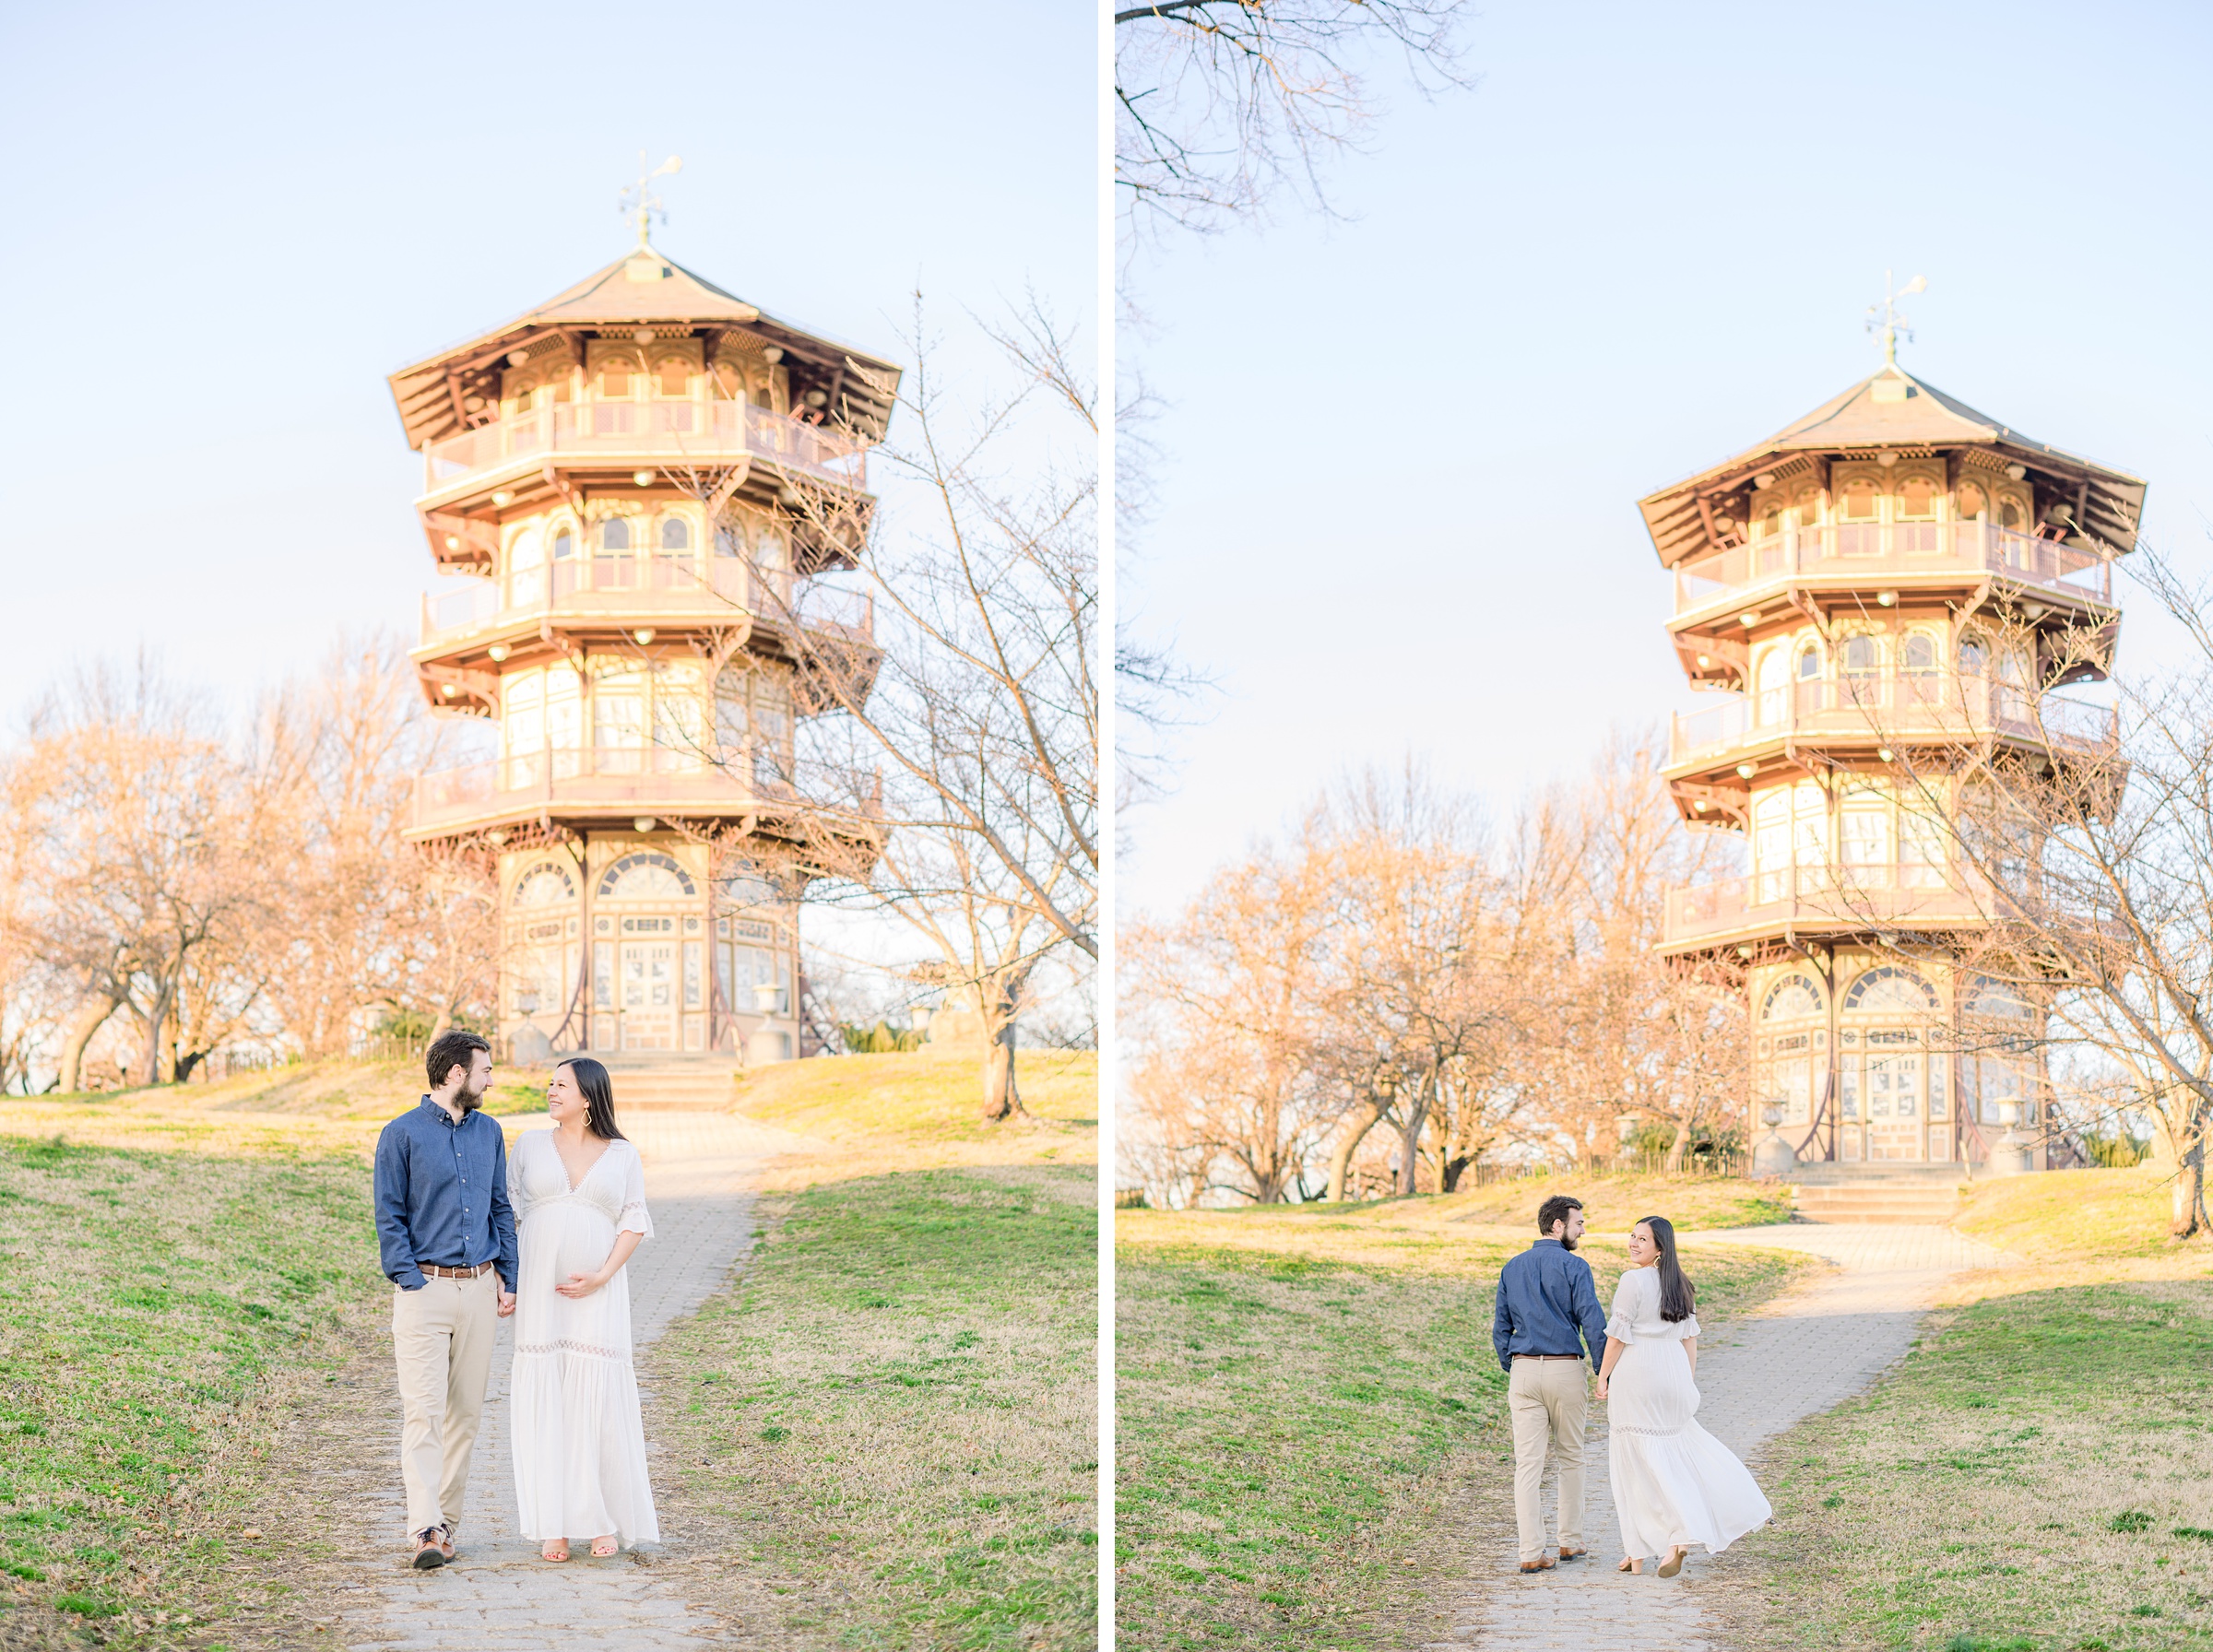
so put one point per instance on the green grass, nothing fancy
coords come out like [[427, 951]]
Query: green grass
[[143, 1296], [1308, 1414], [2037, 1474], [893, 1409]]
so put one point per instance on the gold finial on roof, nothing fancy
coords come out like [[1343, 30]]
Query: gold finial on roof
[[639, 197], [1884, 319]]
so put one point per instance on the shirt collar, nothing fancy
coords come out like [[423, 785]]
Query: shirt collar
[[441, 1115]]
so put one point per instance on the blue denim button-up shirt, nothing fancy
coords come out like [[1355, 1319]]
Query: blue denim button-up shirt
[[442, 1195], [1545, 1296]]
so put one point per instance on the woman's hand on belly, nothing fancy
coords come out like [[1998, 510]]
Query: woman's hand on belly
[[581, 1285]]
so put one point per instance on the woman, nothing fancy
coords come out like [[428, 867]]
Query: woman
[[579, 1197], [1674, 1484]]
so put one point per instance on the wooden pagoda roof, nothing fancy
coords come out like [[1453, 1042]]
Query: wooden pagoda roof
[[643, 288], [1890, 410]]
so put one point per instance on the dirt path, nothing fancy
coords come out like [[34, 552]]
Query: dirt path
[[1811, 1347]]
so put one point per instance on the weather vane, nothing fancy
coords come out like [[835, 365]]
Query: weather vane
[[1884, 319], [639, 197]]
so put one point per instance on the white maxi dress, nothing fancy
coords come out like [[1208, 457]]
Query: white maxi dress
[[579, 1445], [1674, 1483]]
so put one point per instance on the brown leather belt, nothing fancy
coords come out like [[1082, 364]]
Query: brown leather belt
[[437, 1272], [1519, 1356]]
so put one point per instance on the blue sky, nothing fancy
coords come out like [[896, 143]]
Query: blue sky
[[225, 226], [1398, 509]]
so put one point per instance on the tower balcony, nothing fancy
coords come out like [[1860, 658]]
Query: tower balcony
[[618, 434], [1821, 899], [626, 591], [1881, 709], [1891, 552], [610, 786]]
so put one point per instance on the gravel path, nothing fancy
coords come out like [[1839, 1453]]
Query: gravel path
[[1816, 1345], [500, 1597]]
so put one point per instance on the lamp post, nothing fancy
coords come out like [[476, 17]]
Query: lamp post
[[1773, 1156], [2012, 1157]]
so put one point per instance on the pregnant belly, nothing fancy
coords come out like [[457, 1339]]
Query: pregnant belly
[[563, 1244]]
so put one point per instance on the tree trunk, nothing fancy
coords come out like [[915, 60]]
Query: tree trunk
[[2188, 1209], [1455, 1168], [441, 1027], [1410, 1149], [1002, 1097], [90, 1017], [1679, 1148], [154, 1023], [1341, 1160]]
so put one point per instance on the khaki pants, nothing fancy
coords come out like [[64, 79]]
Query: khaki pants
[[1545, 1399], [441, 1342]]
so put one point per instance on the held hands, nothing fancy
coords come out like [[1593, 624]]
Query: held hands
[[581, 1285], [507, 1304], [1600, 1390]]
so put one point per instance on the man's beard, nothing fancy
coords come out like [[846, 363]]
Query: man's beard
[[1568, 1243], [470, 1100]]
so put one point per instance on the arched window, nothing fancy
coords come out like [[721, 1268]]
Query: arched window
[[1975, 656], [1809, 662], [1890, 990], [647, 875], [1809, 509], [1861, 655], [1859, 501], [675, 377], [526, 550], [1774, 679], [1917, 497], [1791, 997], [2009, 514], [676, 534], [1919, 657], [564, 544], [544, 884], [1768, 524], [730, 380], [614, 534], [729, 540], [522, 392], [1972, 502], [614, 379], [2001, 998]]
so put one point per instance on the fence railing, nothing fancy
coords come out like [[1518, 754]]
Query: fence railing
[[686, 431], [1710, 1162], [1927, 705], [1894, 894], [1866, 549], [645, 586]]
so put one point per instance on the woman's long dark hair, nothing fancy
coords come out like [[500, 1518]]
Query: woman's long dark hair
[[1678, 1296], [598, 1092]]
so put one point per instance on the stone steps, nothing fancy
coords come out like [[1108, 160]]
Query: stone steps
[[1888, 1199], [704, 1087]]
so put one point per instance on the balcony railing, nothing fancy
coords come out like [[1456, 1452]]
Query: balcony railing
[[1900, 705], [1900, 894], [622, 778], [690, 431], [1871, 549], [594, 587]]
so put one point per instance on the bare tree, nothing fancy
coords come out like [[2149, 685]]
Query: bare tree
[[1223, 104], [2084, 845], [955, 741]]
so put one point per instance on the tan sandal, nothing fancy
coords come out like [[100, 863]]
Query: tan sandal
[[546, 1549], [614, 1546], [1673, 1563], [1631, 1563]]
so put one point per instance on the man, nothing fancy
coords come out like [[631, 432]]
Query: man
[[447, 1236], [1547, 1299]]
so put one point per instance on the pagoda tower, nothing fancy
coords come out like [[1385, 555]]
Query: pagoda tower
[[1893, 572], [635, 479]]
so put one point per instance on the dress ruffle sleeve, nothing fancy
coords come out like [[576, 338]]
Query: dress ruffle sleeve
[[634, 1218], [1621, 1325]]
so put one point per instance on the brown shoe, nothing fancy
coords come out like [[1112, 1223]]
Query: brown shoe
[[1542, 1564], [429, 1556], [445, 1544], [1573, 1553]]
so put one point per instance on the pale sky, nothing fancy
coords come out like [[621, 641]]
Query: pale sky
[[1399, 510], [225, 225]]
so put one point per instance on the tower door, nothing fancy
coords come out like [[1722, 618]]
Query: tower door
[[649, 1004], [1894, 1098]]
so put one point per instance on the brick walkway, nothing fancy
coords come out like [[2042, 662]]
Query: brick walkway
[[1815, 1345], [501, 1597]]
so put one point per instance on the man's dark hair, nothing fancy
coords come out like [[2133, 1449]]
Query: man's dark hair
[[449, 1050], [1554, 1210]]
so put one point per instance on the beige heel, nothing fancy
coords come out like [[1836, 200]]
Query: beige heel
[[1673, 1563]]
